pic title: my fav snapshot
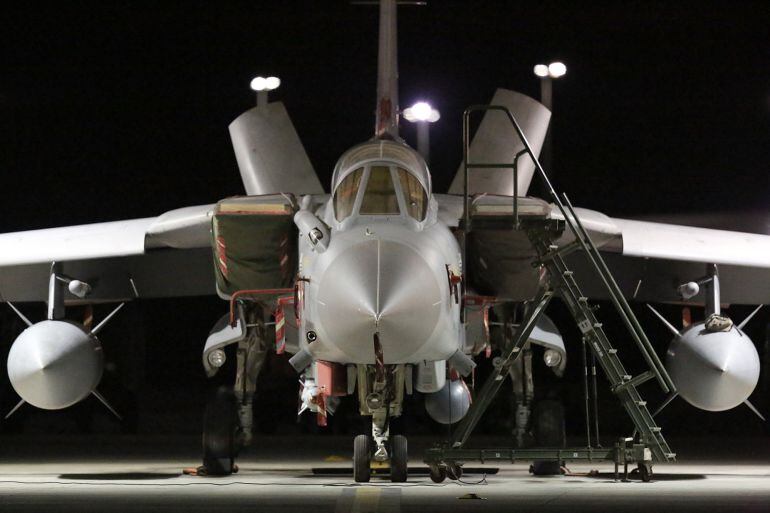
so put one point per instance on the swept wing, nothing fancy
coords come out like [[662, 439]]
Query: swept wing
[[648, 259]]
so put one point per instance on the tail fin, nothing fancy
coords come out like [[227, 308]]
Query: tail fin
[[495, 142], [270, 154], [386, 125]]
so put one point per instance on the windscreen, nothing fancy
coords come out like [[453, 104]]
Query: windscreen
[[380, 195], [345, 195], [414, 194]]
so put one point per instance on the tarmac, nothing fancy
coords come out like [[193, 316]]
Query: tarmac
[[312, 475]]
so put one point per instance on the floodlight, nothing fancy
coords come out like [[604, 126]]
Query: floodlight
[[421, 112], [272, 83], [260, 84], [557, 69], [553, 70], [541, 70]]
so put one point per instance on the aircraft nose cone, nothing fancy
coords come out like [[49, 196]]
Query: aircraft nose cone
[[384, 287]]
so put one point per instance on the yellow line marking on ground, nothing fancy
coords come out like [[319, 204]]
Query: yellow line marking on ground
[[367, 499]]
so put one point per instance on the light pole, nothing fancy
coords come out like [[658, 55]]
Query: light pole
[[422, 114], [262, 86], [547, 74]]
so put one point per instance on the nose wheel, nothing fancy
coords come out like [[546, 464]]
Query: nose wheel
[[398, 459], [362, 470], [362, 457]]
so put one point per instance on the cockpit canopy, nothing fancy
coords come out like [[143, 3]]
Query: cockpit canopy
[[381, 178]]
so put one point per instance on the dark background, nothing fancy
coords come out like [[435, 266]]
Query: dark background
[[120, 110]]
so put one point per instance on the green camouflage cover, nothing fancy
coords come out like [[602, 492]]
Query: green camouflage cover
[[254, 243]]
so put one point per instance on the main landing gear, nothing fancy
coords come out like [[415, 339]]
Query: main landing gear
[[220, 426], [228, 420]]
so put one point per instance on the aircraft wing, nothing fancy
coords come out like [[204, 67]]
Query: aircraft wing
[[171, 255], [648, 259], [166, 256]]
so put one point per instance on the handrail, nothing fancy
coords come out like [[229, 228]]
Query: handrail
[[621, 305], [466, 165], [575, 226]]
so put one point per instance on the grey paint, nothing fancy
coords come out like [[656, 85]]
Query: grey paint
[[221, 335], [381, 274], [450, 404], [546, 334], [270, 155], [496, 142], [158, 273], [183, 228], [656, 280], [55, 364], [713, 371]]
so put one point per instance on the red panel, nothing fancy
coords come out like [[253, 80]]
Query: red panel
[[332, 378]]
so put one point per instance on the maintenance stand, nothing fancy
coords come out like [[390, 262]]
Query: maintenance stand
[[446, 459]]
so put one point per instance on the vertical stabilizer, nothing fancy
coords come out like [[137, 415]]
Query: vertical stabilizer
[[496, 142], [387, 73], [270, 154]]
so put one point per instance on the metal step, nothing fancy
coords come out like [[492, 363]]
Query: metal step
[[542, 233], [621, 383]]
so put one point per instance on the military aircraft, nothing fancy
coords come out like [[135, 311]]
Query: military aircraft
[[372, 288]]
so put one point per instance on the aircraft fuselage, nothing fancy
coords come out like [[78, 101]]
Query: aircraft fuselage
[[389, 278]]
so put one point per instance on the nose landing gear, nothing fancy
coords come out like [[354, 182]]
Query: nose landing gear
[[362, 469], [398, 459], [362, 458], [380, 396]]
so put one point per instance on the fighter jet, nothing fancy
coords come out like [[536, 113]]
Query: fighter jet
[[373, 288]]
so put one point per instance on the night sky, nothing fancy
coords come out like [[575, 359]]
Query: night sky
[[118, 110]]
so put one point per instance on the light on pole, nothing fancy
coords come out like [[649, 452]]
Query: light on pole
[[547, 74], [262, 86], [422, 114]]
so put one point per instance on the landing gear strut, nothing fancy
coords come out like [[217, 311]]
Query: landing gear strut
[[228, 420], [380, 395]]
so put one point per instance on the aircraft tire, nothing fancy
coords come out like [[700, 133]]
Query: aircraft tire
[[645, 472], [548, 429], [437, 473], [220, 422], [361, 459], [399, 459], [454, 471]]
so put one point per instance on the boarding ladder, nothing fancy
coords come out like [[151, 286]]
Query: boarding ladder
[[542, 234]]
